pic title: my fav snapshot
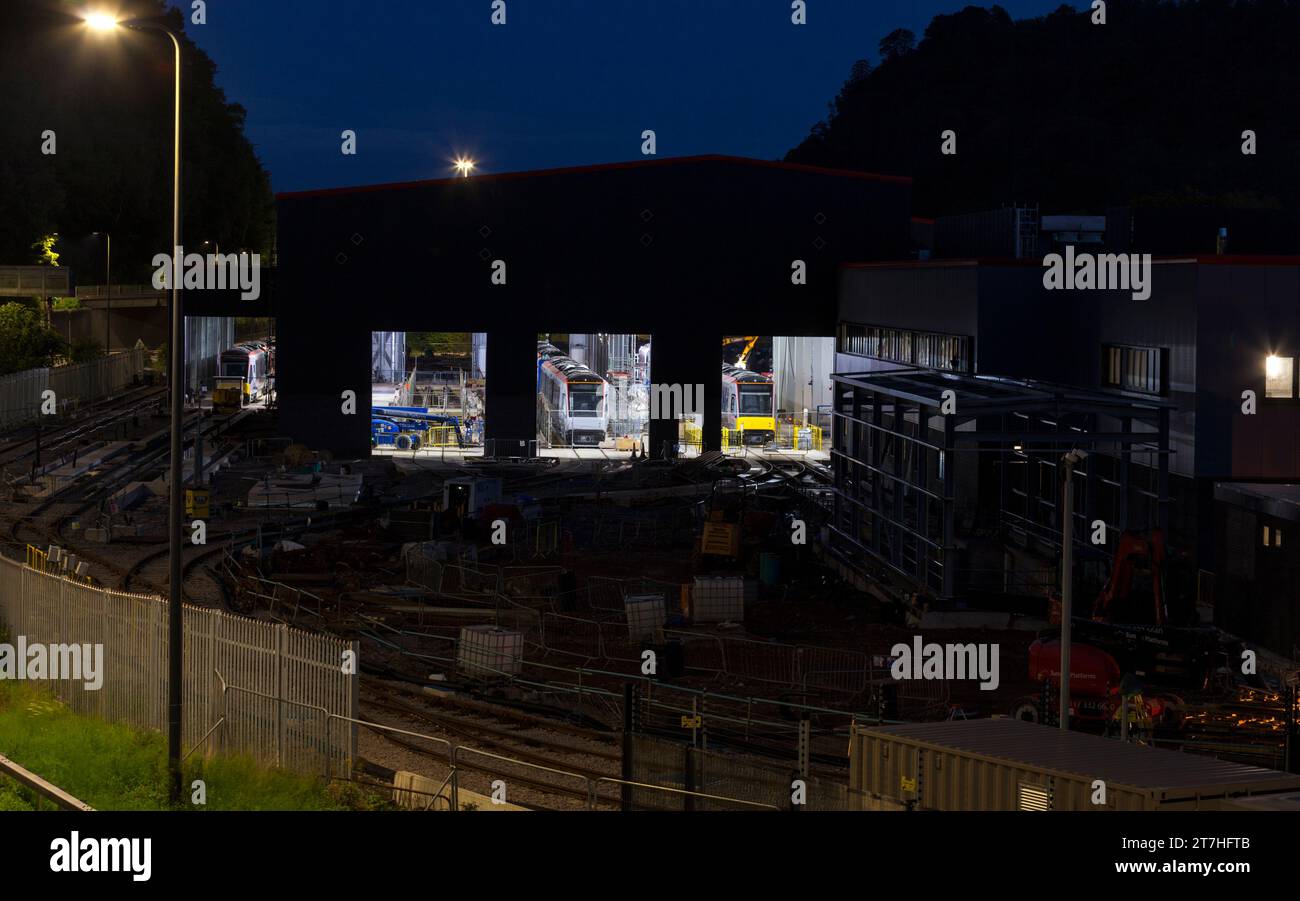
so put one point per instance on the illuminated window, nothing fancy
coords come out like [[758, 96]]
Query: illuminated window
[[925, 349], [1279, 376], [1272, 537], [1133, 368]]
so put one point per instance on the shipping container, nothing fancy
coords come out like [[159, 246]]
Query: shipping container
[[1010, 764]]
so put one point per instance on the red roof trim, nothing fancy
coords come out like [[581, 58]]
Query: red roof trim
[[936, 264], [603, 167], [1209, 260], [1242, 260]]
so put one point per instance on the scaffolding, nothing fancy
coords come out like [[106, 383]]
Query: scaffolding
[[908, 478]]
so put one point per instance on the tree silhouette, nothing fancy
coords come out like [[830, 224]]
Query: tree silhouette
[[1078, 116], [108, 101], [896, 43]]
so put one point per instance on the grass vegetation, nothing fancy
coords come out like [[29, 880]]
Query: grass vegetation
[[115, 767]]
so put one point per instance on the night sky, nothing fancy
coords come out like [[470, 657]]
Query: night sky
[[565, 82]]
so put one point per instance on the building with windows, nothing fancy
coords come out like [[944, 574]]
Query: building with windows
[[1215, 345]]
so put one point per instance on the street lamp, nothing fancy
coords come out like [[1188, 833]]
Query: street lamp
[[175, 635], [108, 290], [1067, 578], [465, 166], [101, 21]]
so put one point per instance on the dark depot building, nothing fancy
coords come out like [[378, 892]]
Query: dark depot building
[[684, 249]]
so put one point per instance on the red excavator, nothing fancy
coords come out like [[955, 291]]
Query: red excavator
[[1127, 641], [1135, 592]]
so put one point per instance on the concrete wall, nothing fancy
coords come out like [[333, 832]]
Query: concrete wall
[[205, 336], [932, 297], [128, 324]]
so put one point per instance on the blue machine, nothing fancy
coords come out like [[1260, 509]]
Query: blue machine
[[404, 427]]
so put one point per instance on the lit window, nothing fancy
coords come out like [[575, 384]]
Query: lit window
[[1133, 368], [1279, 376], [1267, 533], [925, 349]]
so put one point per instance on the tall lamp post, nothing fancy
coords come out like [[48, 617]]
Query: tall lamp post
[[1067, 578], [175, 634], [108, 292]]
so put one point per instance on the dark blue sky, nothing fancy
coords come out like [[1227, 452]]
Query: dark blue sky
[[565, 82]]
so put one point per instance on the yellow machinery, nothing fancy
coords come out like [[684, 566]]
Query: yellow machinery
[[197, 502], [228, 395], [750, 341]]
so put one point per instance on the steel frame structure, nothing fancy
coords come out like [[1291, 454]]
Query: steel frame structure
[[894, 458]]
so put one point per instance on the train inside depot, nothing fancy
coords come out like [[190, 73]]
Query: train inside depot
[[574, 397], [747, 406], [246, 376]]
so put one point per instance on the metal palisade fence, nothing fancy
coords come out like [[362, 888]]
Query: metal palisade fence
[[281, 695], [21, 393]]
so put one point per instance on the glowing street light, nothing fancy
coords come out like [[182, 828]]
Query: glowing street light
[[103, 22], [464, 166]]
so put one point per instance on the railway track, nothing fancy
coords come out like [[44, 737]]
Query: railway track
[[560, 757], [728, 729], [505, 742], [84, 493], [605, 798], [20, 444], [134, 577], [471, 727], [756, 743]]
